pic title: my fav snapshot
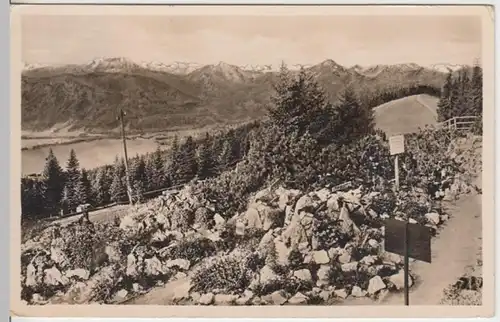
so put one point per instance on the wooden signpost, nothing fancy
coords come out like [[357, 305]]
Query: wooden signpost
[[408, 240], [401, 237], [397, 146]]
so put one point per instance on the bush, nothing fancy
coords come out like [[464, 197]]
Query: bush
[[227, 274], [193, 250]]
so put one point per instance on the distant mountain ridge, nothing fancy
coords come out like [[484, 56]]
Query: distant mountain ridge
[[160, 96]]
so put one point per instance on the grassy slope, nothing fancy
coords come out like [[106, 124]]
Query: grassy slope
[[406, 115]]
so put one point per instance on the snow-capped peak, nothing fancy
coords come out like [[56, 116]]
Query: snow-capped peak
[[446, 68]]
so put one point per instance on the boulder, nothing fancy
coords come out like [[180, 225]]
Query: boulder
[[219, 221], [195, 296], [323, 273], [325, 295], [286, 197], [373, 243], [57, 253], [240, 229], [154, 267], [206, 299], [368, 260], [113, 252], [398, 280], [349, 267], [224, 299], [267, 274], [303, 274], [358, 292], [54, 277], [305, 203], [278, 297], [78, 272], [180, 276], [121, 294], [183, 264], [444, 218], [344, 257], [282, 251], [298, 299], [321, 257], [342, 293], [32, 278], [323, 194], [376, 284], [432, 218]]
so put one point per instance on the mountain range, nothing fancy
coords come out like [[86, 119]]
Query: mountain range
[[160, 96]]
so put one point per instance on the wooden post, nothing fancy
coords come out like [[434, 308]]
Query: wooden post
[[396, 172], [406, 265], [124, 139]]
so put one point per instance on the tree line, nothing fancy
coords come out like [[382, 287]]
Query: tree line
[[462, 94], [59, 188]]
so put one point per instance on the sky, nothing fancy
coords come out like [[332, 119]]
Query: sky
[[242, 40]]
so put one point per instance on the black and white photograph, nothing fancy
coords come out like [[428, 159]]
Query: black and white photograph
[[254, 159]]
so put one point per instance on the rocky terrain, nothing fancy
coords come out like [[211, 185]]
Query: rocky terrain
[[289, 247]]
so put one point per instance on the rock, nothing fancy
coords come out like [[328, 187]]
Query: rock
[[286, 197], [267, 274], [32, 278], [278, 297], [303, 274], [349, 267], [333, 252], [323, 194], [183, 264], [219, 221], [240, 229], [257, 301], [332, 204], [308, 258], [113, 252], [392, 258], [344, 257], [288, 214], [78, 272], [323, 272], [373, 243], [131, 266], [206, 299], [305, 203], [358, 292], [376, 284], [136, 287], [221, 299], [54, 277], [321, 257], [38, 299], [153, 266], [181, 292], [342, 293], [399, 281], [432, 218], [266, 240], [325, 295], [412, 221], [298, 298], [282, 251], [121, 294], [368, 260], [444, 218], [195, 296]]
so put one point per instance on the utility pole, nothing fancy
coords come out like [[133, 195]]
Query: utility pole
[[124, 139]]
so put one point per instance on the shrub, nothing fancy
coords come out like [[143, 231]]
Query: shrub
[[193, 250], [226, 274]]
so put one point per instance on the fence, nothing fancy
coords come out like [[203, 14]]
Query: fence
[[459, 123]]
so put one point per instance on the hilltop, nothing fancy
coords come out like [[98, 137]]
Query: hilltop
[[161, 97]]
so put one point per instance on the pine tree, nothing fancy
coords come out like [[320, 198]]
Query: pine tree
[[187, 167], [117, 189], [444, 103], [139, 180], [352, 121], [83, 188], [226, 157], [205, 159], [156, 171], [72, 180], [53, 177], [100, 187], [172, 164]]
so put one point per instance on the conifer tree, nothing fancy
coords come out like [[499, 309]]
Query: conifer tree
[[72, 180], [139, 180], [53, 178], [187, 167], [83, 188], [156, 171], [100, 187], [205, 159], [117, 189], [444, 103], [172, 164], [226, 157]]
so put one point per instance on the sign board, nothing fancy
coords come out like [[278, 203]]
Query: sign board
[[397, 144], [419, 239]]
